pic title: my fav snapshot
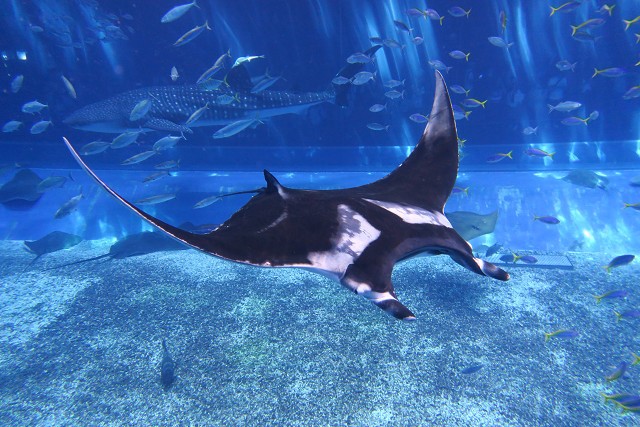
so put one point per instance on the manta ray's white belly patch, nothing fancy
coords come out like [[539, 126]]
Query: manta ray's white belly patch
[[412, 214], [353, 236]]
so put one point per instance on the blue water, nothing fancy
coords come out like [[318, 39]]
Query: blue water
[[104, 48]]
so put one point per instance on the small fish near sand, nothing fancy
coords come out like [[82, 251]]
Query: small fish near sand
[[618, 293], [167, 368], [627, 314], [566, 334], [618, 371], [619, 261], [471, 369]]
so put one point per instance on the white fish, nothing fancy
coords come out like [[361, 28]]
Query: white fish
[[177, 12], [68, 207], [246, 59], [192, 34], [196, 114], [394, 94], [210, 85], [166, 142], [376, 108], [363, 77], [174, 74], [564, 106], [11, 126], [70, 89], [40, 126], [206, 202], [94, 147], [394, 83], [124, 139], [530, 131], [139, 157], [154, 200], [340, 80], [377, 126], [499, 42], [16, 83], [51, 182], [156, 176], [169, 164], [140, 110], [235, 127], [33, 107]]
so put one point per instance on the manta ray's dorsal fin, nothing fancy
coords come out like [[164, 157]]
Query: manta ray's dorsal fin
[[273, 186]]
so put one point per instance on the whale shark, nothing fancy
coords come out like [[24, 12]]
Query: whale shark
[[170, 107], [354, 235]]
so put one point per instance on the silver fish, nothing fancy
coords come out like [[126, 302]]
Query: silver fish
[[51, 182], [196, 114], [206, 202], [235, 127], [16, 83], [11, 126], [191, 34], [40, 126], [154, 200], [124, 139], [155, 176], [139, 157], [177, 12], [174, 74], [169, 164], [68, 207], [94, 147], [140, 110], [70, 89], [33, 107], [166, 142]]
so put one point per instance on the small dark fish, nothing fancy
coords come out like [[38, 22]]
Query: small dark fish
[[620, 293], [509, 258], [493, 250], [561, 333], [471, 369], [167, 368], [618, 372], [547, 219], [619, 261], [529, 259], [628, 314]]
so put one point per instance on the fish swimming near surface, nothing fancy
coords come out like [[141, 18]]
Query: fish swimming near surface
[[143, 243], [167, 367], [52, 242], [21, 192], [172, 106], [354, 235], [471, 225]]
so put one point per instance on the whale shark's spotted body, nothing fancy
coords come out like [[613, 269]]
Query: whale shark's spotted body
[[354, 235]]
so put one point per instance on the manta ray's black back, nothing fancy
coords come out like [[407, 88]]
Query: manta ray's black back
[[355, 235]]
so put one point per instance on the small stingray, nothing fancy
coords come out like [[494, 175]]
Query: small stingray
[[136, 244], [586, 178], [52, 242], [21, 193], [471, 225]]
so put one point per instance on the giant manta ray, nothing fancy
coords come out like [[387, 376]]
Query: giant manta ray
[[354, 235]]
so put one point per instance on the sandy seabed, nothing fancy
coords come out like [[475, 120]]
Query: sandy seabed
[[81, 345]]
